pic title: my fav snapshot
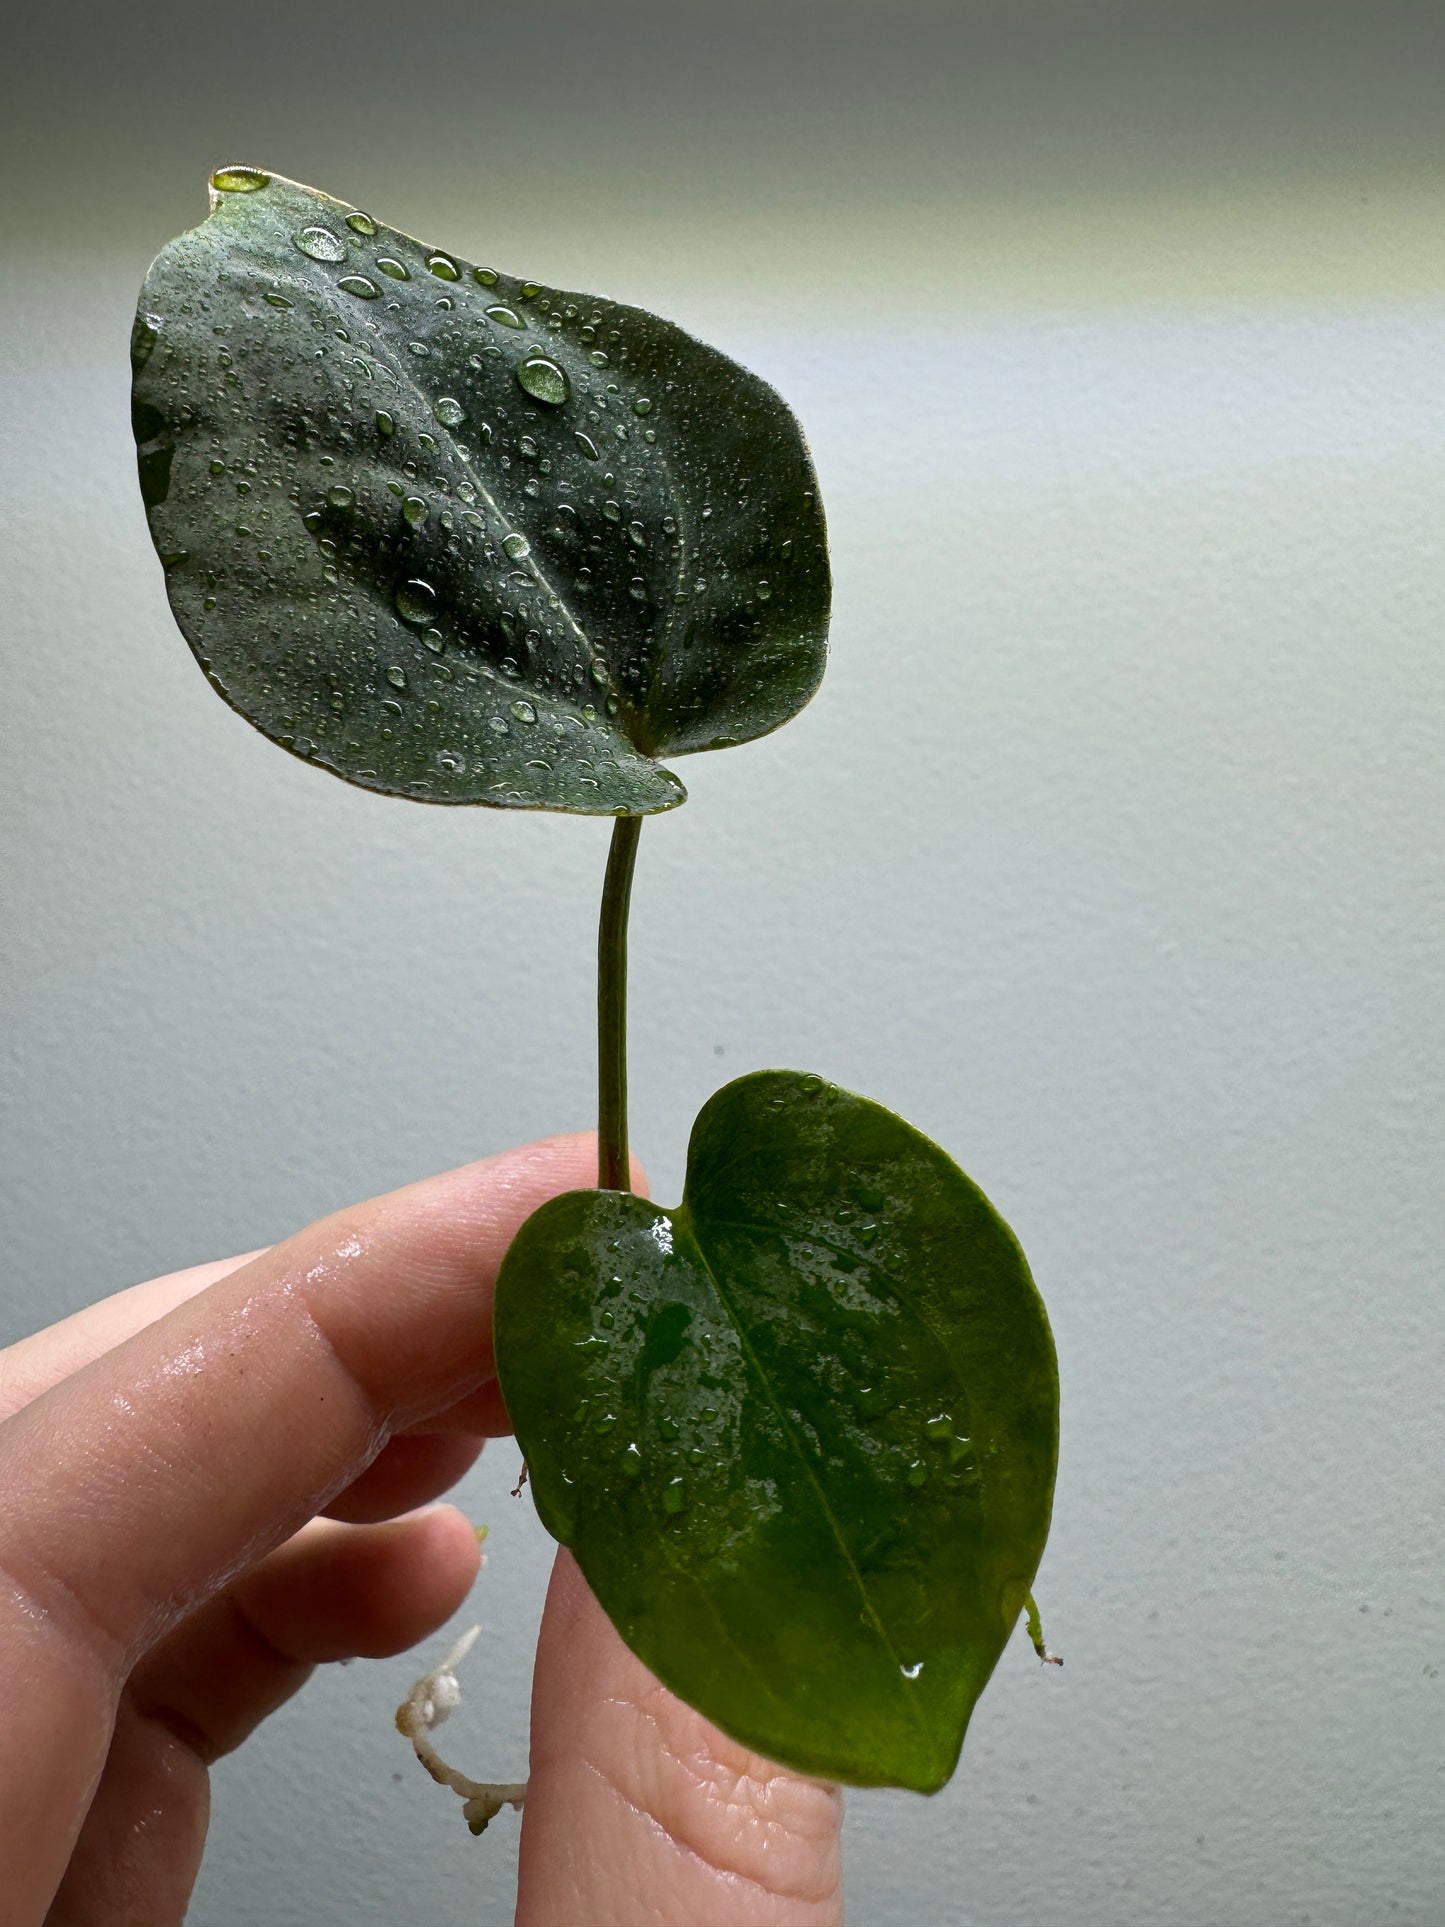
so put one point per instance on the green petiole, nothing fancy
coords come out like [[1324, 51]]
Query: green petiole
[[614, 1169]]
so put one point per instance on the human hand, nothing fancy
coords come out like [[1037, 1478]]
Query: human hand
[[209, 1483]]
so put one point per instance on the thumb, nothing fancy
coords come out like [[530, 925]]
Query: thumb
[[639, 1809]]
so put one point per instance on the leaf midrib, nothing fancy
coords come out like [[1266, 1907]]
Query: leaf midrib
[[406, 381], [790, 1433]]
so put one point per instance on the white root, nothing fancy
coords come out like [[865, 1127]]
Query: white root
[[429, 1702]]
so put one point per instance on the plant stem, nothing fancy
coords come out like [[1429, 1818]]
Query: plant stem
[[614, 1171]]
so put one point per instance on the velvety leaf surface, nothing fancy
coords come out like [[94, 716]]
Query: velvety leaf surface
[[800, 1432], [462, 537]]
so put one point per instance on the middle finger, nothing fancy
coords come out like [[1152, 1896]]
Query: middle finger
[[331, 1592]]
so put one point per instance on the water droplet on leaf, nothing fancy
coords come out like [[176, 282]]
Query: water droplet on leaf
[[443, 267], [449, 412], [239, 180], [340, 497], [398, 270], [321, 244], [544, 379], [416, 601], [516, 545], [414, 509], [524, 712], [505, 317], [486, 277], [358, 285], [361, 223], [385, 425]]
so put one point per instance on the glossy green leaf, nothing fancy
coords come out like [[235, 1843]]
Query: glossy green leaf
[[462, 537], [800, 1432]]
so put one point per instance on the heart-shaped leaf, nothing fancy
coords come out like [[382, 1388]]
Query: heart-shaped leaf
[[800, 1432], [462, 537]]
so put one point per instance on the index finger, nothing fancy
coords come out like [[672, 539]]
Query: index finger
[[142, 1483], [31, 1365]]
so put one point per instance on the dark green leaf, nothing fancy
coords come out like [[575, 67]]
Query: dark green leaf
[[801, 1432], [462, 537]]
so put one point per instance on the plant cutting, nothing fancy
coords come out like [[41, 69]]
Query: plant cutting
[[469, 539]]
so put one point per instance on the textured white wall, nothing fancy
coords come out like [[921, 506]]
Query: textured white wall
[[1110, 854]]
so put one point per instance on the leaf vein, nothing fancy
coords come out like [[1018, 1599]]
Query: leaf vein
[[870, 1264], [871, 1612]]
